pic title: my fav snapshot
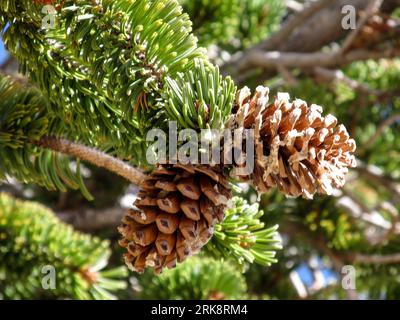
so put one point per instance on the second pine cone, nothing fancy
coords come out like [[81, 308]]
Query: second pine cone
[[176, 210]]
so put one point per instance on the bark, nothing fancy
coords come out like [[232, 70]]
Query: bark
[[325, 26], [93, 156]]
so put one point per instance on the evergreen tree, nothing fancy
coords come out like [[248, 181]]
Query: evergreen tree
[[97, 76]]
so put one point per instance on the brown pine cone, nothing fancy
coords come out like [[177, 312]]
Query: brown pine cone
[[296, 148], [176, 210]]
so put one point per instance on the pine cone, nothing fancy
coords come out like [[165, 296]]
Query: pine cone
[[296, 148], [176, 210]]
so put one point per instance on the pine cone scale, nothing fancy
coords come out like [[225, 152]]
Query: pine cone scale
[[167, 223], [297, 149], [174, 217]]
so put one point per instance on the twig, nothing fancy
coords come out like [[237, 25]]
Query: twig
[[359, 211], [93, 156], [375, 176], [385, 124], [287, 75], [273, 59], [338, 259], [394, 217], [375, 259], [372, 8], [305, 38], [297, 230], [337, 75]]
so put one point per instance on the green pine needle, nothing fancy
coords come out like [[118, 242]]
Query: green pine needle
[[32, 237], [243, 237], [200, 98], [197, 278], [24, 120]]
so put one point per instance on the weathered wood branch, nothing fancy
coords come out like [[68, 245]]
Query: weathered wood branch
[[93, 156]]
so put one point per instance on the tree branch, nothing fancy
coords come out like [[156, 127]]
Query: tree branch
[[375, 258], [337, 75], [302, 37], [273, 59], [394, 217], [385, 124], [338, 259], [372, 8], [93, 156], [292, 23], [358, 211], [376, 176]]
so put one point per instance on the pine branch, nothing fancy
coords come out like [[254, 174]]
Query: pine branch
[[77, 77], [295, 21], [92, 156], [114, 69], [90, 52], [199, 278], [24, 123], [273, 59], [371, 9], [303, 38], [23, 117], [374, 259], [33, 238], [337, 75], [243, 238], [379, 130]]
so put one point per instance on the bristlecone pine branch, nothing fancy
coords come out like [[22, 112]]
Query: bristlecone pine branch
[[296, 149], [176, 210]]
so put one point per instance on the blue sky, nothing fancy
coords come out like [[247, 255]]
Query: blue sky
[[3, 53]]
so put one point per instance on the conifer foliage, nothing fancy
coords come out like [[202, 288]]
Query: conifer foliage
[[109, 71], [24, 120], [199, 278], [32, 240]]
